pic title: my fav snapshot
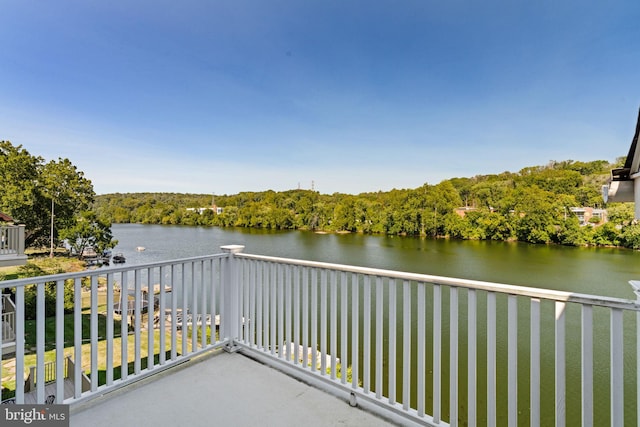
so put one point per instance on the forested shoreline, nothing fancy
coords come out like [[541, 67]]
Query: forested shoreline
[[532, 205]]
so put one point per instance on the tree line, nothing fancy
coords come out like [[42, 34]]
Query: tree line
[[532, 205]]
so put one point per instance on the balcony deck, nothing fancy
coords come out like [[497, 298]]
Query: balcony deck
[[230, 389]]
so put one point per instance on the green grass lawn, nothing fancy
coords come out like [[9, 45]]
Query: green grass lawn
[[8, 375], [30, 335], [8, 382]]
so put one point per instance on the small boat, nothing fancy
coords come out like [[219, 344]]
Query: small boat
[[140, 248], [118, 258]]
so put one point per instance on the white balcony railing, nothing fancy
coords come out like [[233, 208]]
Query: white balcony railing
[[7, 323], [12, 245], [415, 348]]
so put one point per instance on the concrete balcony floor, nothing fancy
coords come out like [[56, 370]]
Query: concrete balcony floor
[[222, 389]]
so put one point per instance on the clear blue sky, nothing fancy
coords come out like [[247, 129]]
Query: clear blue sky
[[227, 96]]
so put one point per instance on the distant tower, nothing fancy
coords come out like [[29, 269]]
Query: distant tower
[[313, 186]]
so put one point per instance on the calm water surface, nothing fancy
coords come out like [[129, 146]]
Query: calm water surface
[[601, 271]]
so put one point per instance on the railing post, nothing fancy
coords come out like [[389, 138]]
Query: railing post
[[635, 285], [20, 248], [230, 299]]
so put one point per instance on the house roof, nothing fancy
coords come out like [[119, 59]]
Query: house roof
[[632, 162], [5, 218]]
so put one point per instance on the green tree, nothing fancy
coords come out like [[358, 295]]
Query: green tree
[[29, 186], [630, 236], [19, 195], [621, 213], [69, 192], [89, 232]]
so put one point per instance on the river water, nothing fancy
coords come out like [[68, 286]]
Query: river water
[[599, 271]]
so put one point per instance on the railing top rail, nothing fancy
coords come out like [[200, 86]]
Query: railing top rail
[[538, 293], [102, 271]]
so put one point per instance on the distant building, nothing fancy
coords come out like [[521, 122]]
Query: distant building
[[217, 210], [463, 210], [590, 215]]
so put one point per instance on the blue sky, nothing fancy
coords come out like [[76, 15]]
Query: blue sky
[[229, 96]]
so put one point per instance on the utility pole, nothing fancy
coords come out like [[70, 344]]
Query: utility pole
[[52, 215]]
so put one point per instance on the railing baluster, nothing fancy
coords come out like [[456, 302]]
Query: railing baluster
[[266, 275], [617, 368], [587, 366], [243, 298], [296, 315], [174, 312], [272, 308], [560, 361], [20, 312], [491, 359], [124, 326], [273, 287], [333, 323], [355, 314], [379, 335], [252, 305], [151, 309], [137, 313], [280, 299], [77, 337], [194, 308], [437, 353], [366, 338], [323, 322], [59, 341], [207, 320], [344, 311], [162, 310], [420, 349], [109, 330], [184, 331], [94, 332], [40, 317], [215, 288], [534, 380], [453, 356], [259, 305], [241, 268], [202, 287], [512, 360], [288, 319], [314, 320], [392, 340], [472, 357], [406, 345], [305, 317]]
